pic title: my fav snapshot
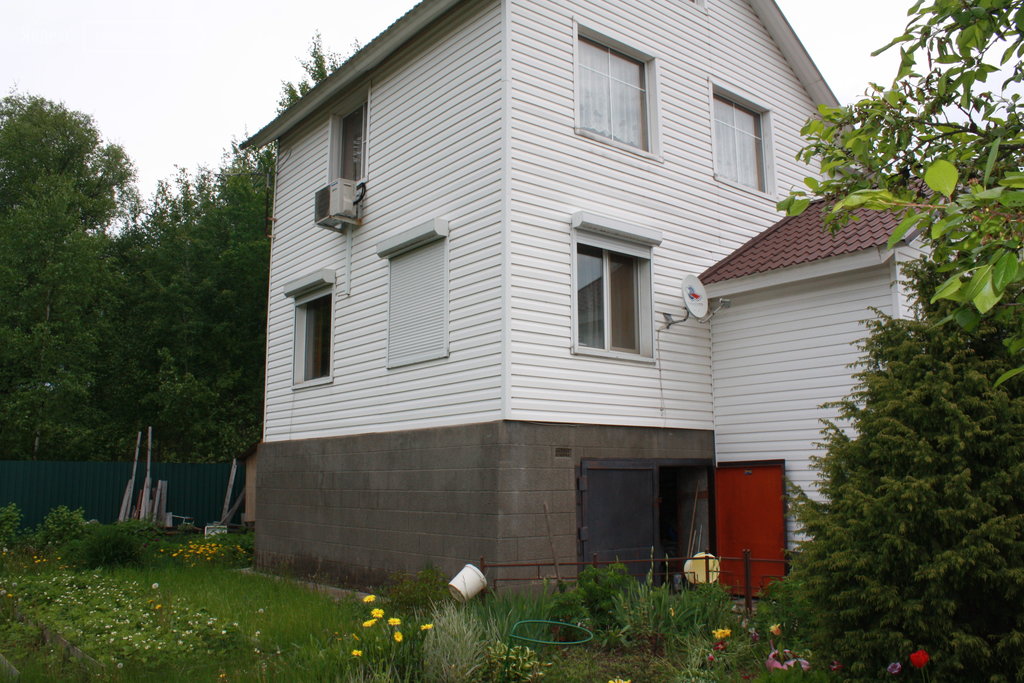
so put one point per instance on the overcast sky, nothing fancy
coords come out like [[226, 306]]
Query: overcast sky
[[175, 82]]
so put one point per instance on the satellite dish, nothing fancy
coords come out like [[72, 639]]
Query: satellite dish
[[695, 297]]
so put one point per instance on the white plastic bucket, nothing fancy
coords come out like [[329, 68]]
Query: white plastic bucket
[[467, 583]]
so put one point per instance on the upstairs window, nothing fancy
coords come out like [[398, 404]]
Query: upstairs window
[[349, 133], [739, 144], [612, 94]]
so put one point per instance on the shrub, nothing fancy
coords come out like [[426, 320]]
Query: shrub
[[10, 523], [109, 545], [920, 538], [598, 588], [59, 526], [417, 592]]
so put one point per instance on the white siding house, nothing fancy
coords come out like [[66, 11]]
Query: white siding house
[[482, 352]]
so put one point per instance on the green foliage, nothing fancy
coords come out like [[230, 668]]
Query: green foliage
[[941, 146], [596, 591], [418, 592], [10, 524], [785, 604], [192, 367], [518, 664], [109, 545], [60, 526], [319, 66], [920, 540], [61, 190], [454, 648]]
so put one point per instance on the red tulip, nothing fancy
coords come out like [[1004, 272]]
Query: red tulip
[[919, 659]]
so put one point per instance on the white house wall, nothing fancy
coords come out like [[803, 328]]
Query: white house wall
[[434, 151], [555, 172], [782, 352]]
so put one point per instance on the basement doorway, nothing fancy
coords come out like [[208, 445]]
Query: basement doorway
[[633, 510]]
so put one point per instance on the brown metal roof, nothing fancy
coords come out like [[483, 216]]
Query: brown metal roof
[[802, 239]]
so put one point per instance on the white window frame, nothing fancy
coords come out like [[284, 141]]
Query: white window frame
[[336, 152], [767, 148], [621, 237], [304, 290], [402, 319], [652, 144]]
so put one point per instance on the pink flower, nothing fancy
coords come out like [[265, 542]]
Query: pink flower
[[894, 668]]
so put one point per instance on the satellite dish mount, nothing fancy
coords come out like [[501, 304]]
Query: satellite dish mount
[[695, 302]]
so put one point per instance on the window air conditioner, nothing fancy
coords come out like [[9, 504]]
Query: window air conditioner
[[336, 204]]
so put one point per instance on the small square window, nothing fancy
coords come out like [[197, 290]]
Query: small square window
[[613, 94], [739, 144], [313, 339]]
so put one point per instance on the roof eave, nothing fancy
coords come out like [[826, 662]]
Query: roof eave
[[357, 66], [794, 52]]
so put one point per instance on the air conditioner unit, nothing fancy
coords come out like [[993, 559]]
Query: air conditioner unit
[[336, 204]]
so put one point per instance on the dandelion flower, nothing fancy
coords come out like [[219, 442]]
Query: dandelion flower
[[426, 627], [398, 636], [394, 621], [369, 622], [370, 598], [158, 606], [720, 633], [377, 613], [357, 653]]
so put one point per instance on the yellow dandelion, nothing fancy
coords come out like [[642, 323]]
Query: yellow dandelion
[[377, 613], [158, 607], [357, 653], [370, 598], [426, 627], [394, 621], [721, 633], [369, 622], [398, 636]]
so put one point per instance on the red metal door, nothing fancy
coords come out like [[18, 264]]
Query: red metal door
[[750, 515]]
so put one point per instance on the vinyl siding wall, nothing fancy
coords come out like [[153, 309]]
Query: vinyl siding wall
[[434, 151], [782, 352], [555, 172]]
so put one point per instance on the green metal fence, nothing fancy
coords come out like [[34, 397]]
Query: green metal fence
[[193, 490]]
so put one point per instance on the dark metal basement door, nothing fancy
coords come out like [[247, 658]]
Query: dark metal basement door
[[618, 511]]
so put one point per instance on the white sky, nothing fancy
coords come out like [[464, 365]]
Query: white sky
[[175, 82]]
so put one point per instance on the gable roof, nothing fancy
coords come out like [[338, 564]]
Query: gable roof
[[803, 239], [427, 11]]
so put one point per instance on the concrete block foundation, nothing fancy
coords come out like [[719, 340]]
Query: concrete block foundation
[[355, 509]]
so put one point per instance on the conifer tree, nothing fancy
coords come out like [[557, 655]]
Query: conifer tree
[[919, 543]]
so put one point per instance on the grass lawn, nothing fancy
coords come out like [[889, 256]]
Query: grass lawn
[[189, 614]]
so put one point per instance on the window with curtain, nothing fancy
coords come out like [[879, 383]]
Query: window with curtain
[[739, 145], [613, 94]]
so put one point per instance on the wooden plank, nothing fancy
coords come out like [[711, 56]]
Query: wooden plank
[[227, 494], [126, 500]]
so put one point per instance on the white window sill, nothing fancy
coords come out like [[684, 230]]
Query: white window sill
[[312, 383], [613, 355], [762, 194], [609, 142]]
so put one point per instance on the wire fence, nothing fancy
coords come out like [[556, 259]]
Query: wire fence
[[745, 575]]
